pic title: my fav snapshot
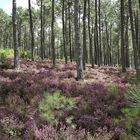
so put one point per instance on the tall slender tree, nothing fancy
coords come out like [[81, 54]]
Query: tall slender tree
[[63, 28], [100, 42], [122, 38], [42, 30], [96, 34], [70, 44], [84, 35], [90, 34], [31, 30], [80, 72], [127, 42], [15, 41], [133, 38], [52, 34]]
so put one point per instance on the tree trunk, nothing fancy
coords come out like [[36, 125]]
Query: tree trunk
[[16, 59], [138, 40], [63, 22], [70, 45], [84, 36], [96, 34], [42, 30], [110, 54], [100, 45], [31, 30], [19, 32], [52, 35], [90, 35], [80, 72], [66, 31], [137, 67], [25, 39], [127, 43], [107, 44], [122, 38]]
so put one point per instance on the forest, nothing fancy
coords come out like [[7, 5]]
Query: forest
[[70, 70]]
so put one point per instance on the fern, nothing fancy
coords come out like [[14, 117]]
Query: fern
[[134, 102]]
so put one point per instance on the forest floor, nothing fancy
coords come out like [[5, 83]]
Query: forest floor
[[99, 100]]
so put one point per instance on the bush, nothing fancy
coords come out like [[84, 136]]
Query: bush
[[130, 115], [3, 57], [62, 132], [133, 113], [25, 54], [54, 106], [11, 126], [8, 52], [22, 53]]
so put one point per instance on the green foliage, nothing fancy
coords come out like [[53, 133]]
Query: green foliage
[[9, 53], [25, 54], [12, 133], [6, 53], [54, 106], [3, 57], [22, 53], [134, 97], [131, 114], [135, 80], [114, 90], [117, 121], [11, 126], [28, 55]]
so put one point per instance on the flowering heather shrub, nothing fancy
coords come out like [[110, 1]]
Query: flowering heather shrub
[[51, 85], [70, 87], [64, 133], [68, 66], [61, 132], [68, 74], [99, 107], [11, 126], [47, 74], [13, 100], [99, 99]]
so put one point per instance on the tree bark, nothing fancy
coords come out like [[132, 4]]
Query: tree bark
[[80, 72], [63, 22], [84, 36], [90, 35], [52, 35], [42, 30], [122, 38], [70, 45], [127, 42], [16, 59], [31, 30], [100, 44], [137, 67]]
